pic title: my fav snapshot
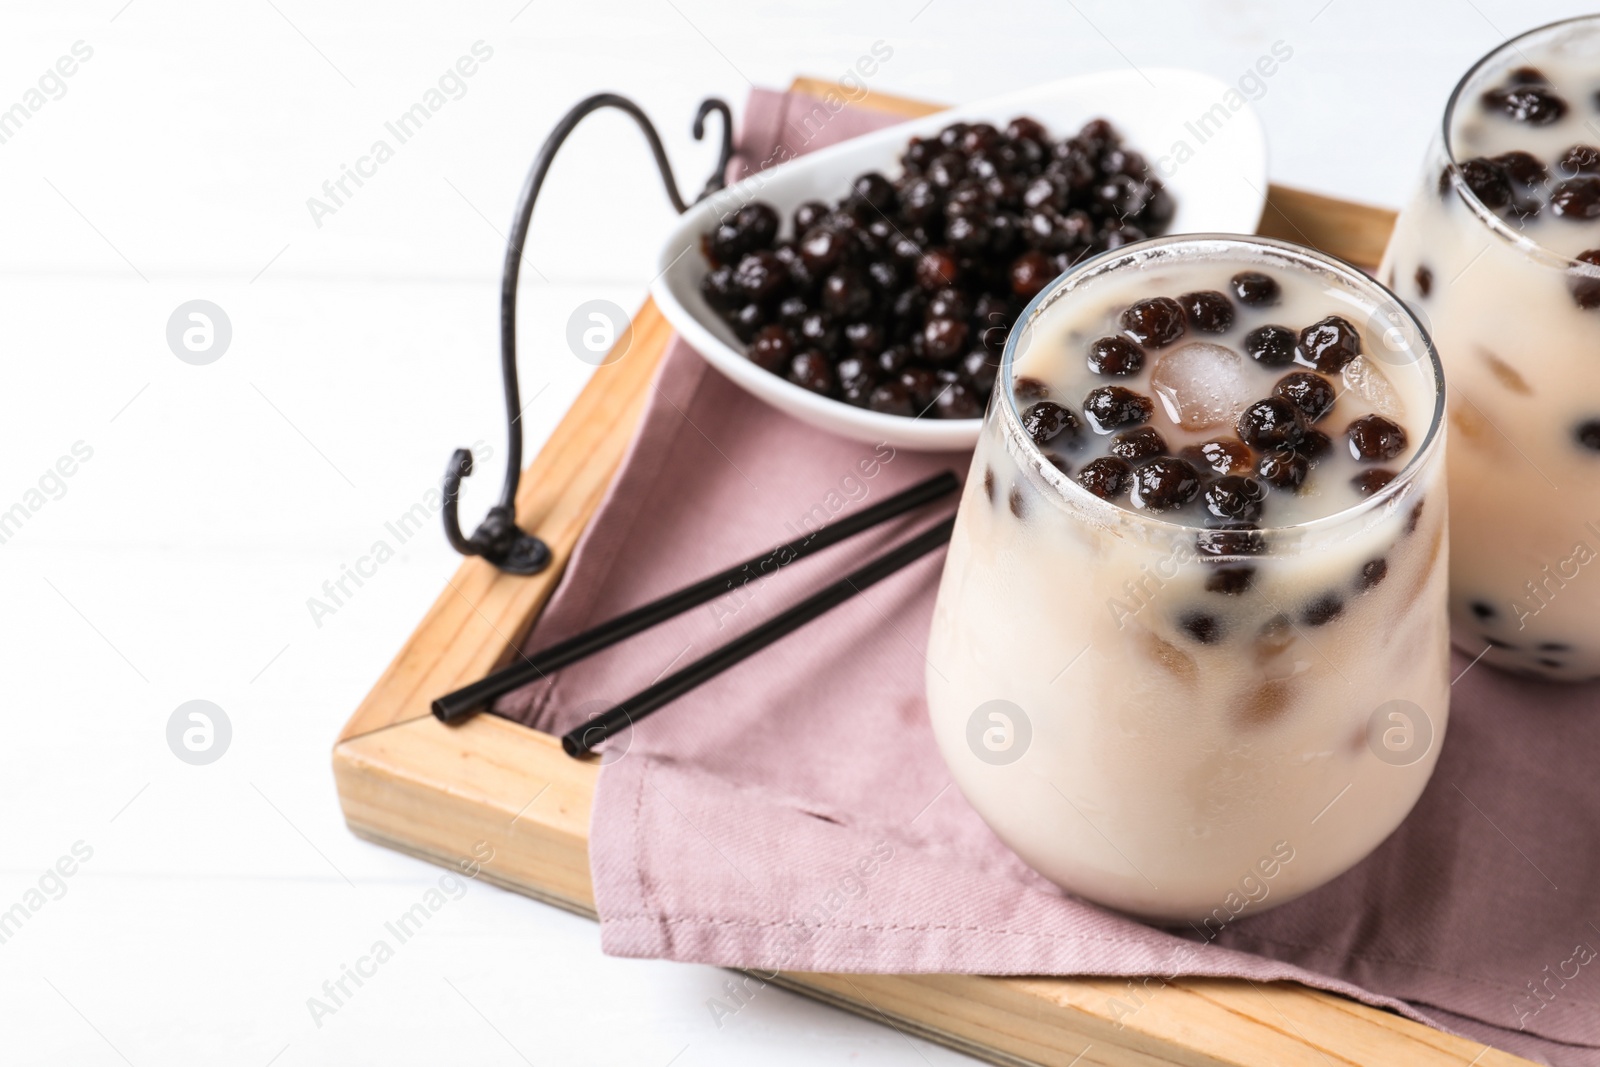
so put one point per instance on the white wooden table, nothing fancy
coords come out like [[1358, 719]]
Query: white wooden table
[[176, 563]]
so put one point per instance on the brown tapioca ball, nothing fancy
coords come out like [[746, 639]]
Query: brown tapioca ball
[[1585, 288], [1522, 168], [1269, 424], [957, 400], [1230, 540], [944, 339], [1534, 104], [921, 384], [1311, 393], [811, 370], [747, 322], [1254, 289], [937, 269], [1141, 443], [1323, 610], [1373, 438], [1372, 572], [1235, 497], [1423, 279], [980, 369], [1116, 356], [1030, 273], [1284, 469], [808, 214], [1047, 420], [890, 398], [1208, 311], [1370, 481], [772, 348], [1111, 406], [1313, 444], [1222, 456], [1030, 389], [1201, 626], [1154, 323], [1106, 477], [1577, 198], [1587, 434], [1230, 580], [1164, 484], [1330, 344], [1271, 346]]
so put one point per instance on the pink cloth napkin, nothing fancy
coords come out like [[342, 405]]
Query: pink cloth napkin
[[793, 813]]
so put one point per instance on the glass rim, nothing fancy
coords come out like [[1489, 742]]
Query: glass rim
[[1499, 226], [1080, 500]]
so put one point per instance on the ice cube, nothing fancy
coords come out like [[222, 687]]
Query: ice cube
[[1201, 385], [1363, 378]]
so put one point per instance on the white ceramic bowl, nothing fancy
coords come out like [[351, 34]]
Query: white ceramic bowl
[[1214, 166]]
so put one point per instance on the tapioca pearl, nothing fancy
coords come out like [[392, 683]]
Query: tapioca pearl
[[1154, 323], [1554, 646], [1374, 438], [1207, 311], [1532, 104], [1495, 642], [1579, 159], [1141, 443], [1269, 423], [1311, 393], [1230, 580], [890, 398], [1522, 168], [1414, 518], [1323, 610], [1254, 289], [1576, 198], [1047, 421], [1283, 469], [1116, 356], [1424, 280], [1112, 406], [1235, 498], [1271, 346], [1201, 626], [1487, 181], [1230, 541], [1482, 609], [1164, 484], [1372, 572], [1329, 344], [1370, 481], [1106, 477], [1015, 501], [1313, 444], [1030, 389], [1225, 455], [957, 400], [811, 370], [1585, 287], [1587, 434], [988, 483], [1553, 664]]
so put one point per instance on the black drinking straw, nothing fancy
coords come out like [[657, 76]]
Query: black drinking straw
[[469, 699], [581, 740]]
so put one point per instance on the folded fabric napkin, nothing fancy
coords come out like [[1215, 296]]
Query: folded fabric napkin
[[794, 813]]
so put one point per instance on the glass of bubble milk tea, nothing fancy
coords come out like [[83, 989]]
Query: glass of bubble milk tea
[[1190, 652], [1499, 254]]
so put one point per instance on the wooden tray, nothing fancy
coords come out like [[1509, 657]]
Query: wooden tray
[[408, 782]]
